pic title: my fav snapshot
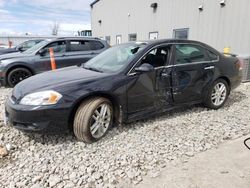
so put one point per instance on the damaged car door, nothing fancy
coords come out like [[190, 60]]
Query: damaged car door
[[193, 72], [150, 88]]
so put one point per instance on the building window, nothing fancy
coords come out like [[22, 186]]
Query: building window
[[118, 39], [132, 37], [181, 33], [153, 35], [107, 38]]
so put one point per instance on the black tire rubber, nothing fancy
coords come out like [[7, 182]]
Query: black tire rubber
[[14, 71], [208, 101], [81, 126]]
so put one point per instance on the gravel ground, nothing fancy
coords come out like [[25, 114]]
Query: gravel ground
[[127, 153]]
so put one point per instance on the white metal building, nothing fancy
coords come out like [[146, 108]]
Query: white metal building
[[220, 23]]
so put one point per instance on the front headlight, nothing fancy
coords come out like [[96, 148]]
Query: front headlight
[[41, 98]]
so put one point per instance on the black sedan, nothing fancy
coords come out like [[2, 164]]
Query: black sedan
[[125, 83]]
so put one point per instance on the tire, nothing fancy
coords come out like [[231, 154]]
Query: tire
[[17, 75], [216, 100], [86, 121]]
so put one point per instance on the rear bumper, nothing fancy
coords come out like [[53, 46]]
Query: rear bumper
[[37, 119], [236, 81]]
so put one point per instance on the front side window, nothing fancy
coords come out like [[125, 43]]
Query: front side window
[[157, 57], [186, 53], [58, 47], [114, 59]]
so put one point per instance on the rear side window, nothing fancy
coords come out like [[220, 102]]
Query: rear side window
[[212, 56], [186, 53], [79, 45], [96, 45]]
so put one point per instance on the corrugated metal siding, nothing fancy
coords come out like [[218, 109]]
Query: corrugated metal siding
[[220, 27]]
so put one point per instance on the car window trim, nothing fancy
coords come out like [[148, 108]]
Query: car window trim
[[130, 73]]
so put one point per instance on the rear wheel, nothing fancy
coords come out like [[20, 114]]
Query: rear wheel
[[93, 119], [17, 75], [217, 94]]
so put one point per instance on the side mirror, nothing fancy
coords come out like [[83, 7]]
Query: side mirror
[[42, 52], [144, 68], [20, 48]]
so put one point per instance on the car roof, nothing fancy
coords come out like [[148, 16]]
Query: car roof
[[34, 40], [76, 38], [159, 41], [162, 41]]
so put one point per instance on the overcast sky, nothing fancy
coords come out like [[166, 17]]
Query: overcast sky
[[37, 16]]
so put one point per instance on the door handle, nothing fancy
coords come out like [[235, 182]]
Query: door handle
[[165, 75], [209, 68]]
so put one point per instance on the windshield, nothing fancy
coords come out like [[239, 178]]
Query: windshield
[[36, 47], [114, 59]]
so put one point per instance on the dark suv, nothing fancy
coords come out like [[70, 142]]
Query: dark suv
[[16, 67]]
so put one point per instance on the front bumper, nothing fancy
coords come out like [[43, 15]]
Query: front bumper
[[40, 119], [2, 78]]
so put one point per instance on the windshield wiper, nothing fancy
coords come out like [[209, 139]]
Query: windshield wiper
[[93, 69]]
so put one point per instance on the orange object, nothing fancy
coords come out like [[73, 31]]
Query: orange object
[[52, 59], [10, 44]]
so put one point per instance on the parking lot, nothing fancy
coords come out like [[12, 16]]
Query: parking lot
[[128, 153]]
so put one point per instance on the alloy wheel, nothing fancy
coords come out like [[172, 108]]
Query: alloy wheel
[[219, 94], [101, 120]]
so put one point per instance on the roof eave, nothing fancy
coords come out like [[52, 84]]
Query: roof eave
[[92, 4]]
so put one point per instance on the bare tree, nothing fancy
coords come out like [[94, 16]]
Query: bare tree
[[55, 28]]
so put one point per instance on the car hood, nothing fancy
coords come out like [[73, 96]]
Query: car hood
[[8, 50], [13, 55], [54, 80]]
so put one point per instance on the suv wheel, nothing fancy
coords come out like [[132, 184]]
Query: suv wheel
[[17, 75], [93, 119], [217, 94]]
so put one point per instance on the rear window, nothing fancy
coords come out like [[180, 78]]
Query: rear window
[[84, 45], [79, 45]]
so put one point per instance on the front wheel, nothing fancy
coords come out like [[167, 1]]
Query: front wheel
[[217, 94], [93, 119]]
